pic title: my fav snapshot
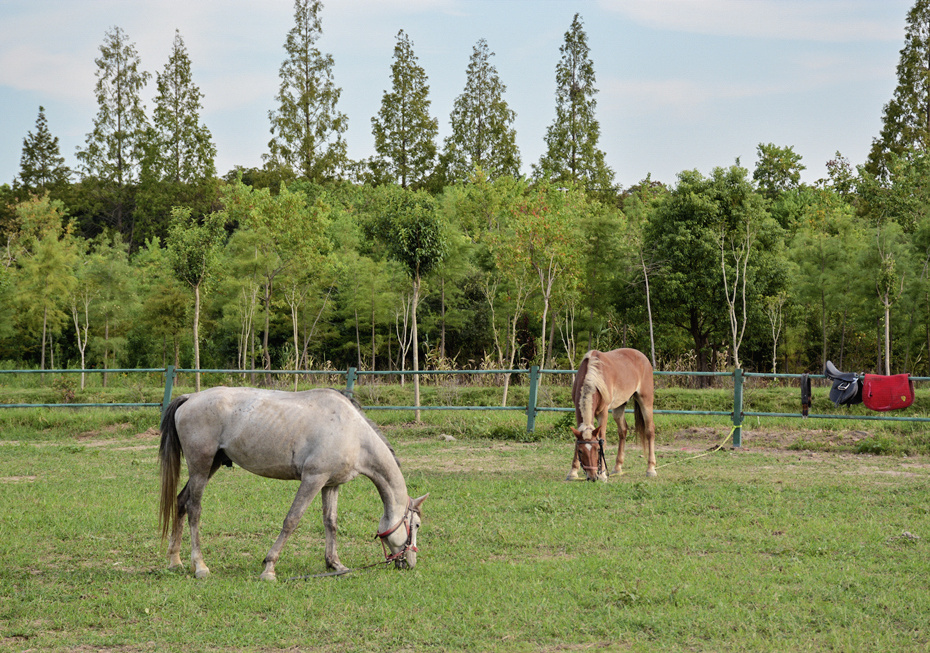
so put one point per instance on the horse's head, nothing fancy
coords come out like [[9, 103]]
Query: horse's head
[[590, 450], [402, 542]]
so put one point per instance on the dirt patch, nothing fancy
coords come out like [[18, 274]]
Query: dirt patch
[[113, 428], [17, 479]]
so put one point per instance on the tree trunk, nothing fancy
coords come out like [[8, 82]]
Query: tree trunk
[[44, 329], [416, 350], [652, 340], [197, 337]]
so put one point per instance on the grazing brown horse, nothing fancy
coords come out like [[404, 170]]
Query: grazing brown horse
[[605, 382]]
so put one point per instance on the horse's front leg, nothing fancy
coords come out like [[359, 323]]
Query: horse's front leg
[[309, 486], [330, 499], [620, 419], [576, 465]]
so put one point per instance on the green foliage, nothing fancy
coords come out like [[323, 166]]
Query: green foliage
[[405, 134], [572, 152], [41, 166], [778, 169], [906, 117], [115, 147], [482, 136], [307, 129], [183, 146]]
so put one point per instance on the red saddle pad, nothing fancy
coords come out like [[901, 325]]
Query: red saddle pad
[[893, 392]]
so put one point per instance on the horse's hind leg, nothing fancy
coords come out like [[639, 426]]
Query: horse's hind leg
[[309, 486], [189, 501], [177, 530], [620, 419], [646, 431]]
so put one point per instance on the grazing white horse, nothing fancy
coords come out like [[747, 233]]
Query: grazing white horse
[[318, 437]]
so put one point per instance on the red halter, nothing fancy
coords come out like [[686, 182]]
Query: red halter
[[408, 545]]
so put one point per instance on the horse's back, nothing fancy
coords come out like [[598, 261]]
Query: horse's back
[[270, 432], [623, 372]]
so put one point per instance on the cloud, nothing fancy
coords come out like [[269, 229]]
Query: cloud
[[807, 20]]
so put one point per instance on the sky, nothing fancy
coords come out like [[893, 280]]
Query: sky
[[683, 84]]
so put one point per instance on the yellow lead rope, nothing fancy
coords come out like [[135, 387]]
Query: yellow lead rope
[[706, 453]]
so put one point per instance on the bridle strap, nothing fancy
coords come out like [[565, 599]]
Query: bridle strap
[[601, 460], [408, 545]]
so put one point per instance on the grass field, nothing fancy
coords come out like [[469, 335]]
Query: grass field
[[773, 547]]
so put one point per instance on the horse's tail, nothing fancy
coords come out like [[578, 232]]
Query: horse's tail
[[169, 453], [640, 421]]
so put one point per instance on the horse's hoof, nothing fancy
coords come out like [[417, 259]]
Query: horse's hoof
[[202, 573], [269, 576], [572, 476], [651, 473]]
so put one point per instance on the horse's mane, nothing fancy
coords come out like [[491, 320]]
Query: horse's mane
[[374, 427], [593, 381]]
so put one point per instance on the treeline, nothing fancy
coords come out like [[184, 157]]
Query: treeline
[[445, 256]]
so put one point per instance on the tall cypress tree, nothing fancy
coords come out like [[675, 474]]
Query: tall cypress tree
[[307, 129], [405, 134], [115, 147], [184, 146], [906, 118], [572, 153], [482, 124], [41, 166]]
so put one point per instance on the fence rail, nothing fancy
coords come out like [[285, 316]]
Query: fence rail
[[531, 409]]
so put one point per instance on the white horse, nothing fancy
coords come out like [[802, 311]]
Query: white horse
[[319, 437]]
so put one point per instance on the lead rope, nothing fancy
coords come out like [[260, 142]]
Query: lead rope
[[388, 558], [701, 455]]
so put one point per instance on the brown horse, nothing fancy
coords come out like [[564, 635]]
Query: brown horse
[[605, 381]]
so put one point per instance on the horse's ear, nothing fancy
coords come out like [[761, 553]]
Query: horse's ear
[[418, 502], [576, 432]]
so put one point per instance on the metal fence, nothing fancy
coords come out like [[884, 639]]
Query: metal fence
[[531, 409]]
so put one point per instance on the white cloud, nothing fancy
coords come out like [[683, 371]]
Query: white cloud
[[809, 20]]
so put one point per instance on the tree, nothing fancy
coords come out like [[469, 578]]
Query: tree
[[183, 145], [405, 134], [544, 226], [116, 146], [307, 129], [415, 236], [778, 169], [109, 273], [45, 274], [276, 233], [692, 227], [906, 117], [193, 249], [41, 166], [572, 153], [483, 136]]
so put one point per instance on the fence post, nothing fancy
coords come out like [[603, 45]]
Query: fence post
[[351, 375], [737, 407], [531, 402], [169, 386]]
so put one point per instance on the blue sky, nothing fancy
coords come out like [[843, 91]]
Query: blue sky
[[684, 84]]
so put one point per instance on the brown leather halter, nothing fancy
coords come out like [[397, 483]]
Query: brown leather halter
[[408, 545]]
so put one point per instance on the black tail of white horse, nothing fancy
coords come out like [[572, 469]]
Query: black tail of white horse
[[169, 453]]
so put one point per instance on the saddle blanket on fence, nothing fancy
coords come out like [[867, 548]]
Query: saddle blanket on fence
[[882, 393]]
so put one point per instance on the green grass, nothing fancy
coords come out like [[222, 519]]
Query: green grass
[[760, 549]]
